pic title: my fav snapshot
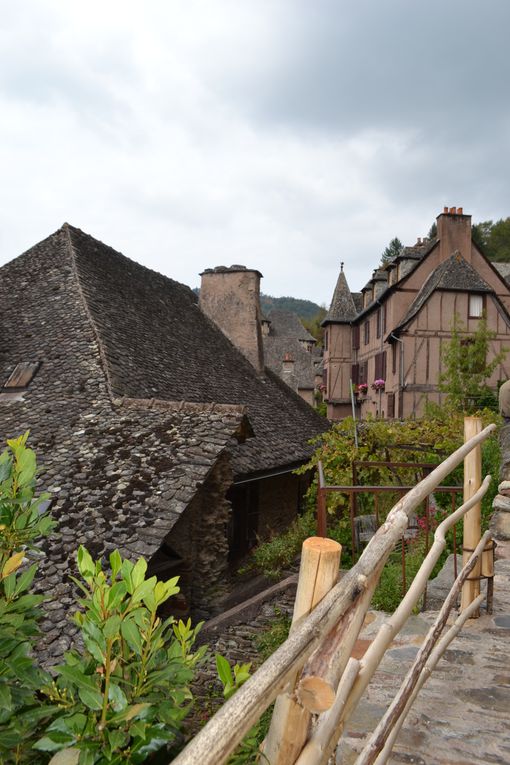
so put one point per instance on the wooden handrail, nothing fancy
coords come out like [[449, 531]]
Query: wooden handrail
[[222, 734]]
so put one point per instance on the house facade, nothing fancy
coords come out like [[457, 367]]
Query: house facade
[[155, 434], [389, 338]]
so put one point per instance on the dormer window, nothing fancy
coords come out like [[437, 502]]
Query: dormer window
[[476, 306]]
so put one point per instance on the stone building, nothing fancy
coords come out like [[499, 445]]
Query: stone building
[[154, 433], [292, 353], [394, 329]]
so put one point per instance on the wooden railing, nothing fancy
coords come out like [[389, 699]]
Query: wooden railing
[[313, 672]]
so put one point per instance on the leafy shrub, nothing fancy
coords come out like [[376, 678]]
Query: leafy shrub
[[126, 692]]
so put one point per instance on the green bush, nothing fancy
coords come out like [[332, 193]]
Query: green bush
[[126, 692]]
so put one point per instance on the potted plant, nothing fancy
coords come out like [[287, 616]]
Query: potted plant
[[362, 389], [378, 384]]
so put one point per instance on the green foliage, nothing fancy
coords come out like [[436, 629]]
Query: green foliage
[[313, 324], [271, 638], [391, 251], [467, 369], [280, 552], [125, 694], [493, 239], [21, 525], [305, 309], [231, 681]]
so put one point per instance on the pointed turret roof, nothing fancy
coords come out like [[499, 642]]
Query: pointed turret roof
[[342, 309]]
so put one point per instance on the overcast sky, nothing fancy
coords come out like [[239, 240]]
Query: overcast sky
[[286, 135]]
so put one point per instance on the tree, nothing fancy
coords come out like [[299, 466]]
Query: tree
[[432, 231], [493, 239], [467, 369], [392, 250]]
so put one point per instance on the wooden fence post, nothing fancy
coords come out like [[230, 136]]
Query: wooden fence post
[[472, 519], [318, 574]]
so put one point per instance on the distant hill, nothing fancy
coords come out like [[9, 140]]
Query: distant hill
[[305, 309]]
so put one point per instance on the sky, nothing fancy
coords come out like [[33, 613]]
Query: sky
[[285, 135]]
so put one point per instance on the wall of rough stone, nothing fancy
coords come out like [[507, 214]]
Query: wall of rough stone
[[200, 536], [279, 499]]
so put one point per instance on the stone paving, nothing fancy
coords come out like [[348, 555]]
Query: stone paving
[[462, 715]]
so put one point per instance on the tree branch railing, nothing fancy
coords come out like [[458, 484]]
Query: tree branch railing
[[312, 672]]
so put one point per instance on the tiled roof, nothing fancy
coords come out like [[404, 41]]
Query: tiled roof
[[288, 324], [285, 336], [156, 342], [342, 308], [454, 274]]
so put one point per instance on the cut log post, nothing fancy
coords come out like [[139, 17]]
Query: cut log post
[[472, 519], [318, 574], [326, 666]]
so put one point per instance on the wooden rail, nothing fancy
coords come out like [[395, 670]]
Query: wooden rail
[[320, 644]]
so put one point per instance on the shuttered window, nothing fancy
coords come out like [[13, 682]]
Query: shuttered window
[[391, 406], [355, 374], [380, 366], [378, 323], [363, 372], [355, 337], [366, 329]]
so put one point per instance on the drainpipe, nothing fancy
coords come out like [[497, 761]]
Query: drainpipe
[[401, 362]]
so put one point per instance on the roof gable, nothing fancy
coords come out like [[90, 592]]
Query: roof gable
[[342, 308]]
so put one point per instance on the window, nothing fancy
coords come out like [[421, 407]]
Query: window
[[355, 337], [326, 333], [380, 366], [391, 406], [22, 375], [355, 374], [363, 372], [381, 321], [366, 329], [476, 306], [394, 350]]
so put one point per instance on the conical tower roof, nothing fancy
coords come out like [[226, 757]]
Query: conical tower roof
[[342, 309]]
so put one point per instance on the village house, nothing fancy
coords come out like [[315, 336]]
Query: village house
[[155, 433], [387, 340], [292, 353]]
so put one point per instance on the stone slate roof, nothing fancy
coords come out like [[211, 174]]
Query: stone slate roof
[[454, 274], [287, 324], [284, 338], [342, 308], [120, 472], [503, 269], [156, 342]]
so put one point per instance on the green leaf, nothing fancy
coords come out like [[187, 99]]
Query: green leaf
[[135, 710], [117, 697], [131, 635], [46, 744], [25, 580], [85, 563], [79, 678], [91, 699], [115, 563], [138, 572], [224, 671], [116, 595], [5, 697], [111, 627], [66, 757], [87, 757]]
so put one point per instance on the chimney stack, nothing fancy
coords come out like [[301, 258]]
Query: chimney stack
[[231, 298], [454, 233]]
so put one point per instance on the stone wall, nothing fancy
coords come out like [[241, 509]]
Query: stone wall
[[500, 522]]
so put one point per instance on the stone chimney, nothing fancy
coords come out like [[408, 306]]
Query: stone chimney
[[454, 232], [288, 370], [231, 298]]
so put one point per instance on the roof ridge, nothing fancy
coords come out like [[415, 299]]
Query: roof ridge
[[67, 229], [179, 406]]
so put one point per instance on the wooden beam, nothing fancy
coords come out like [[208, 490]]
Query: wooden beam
[[472, 521]]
